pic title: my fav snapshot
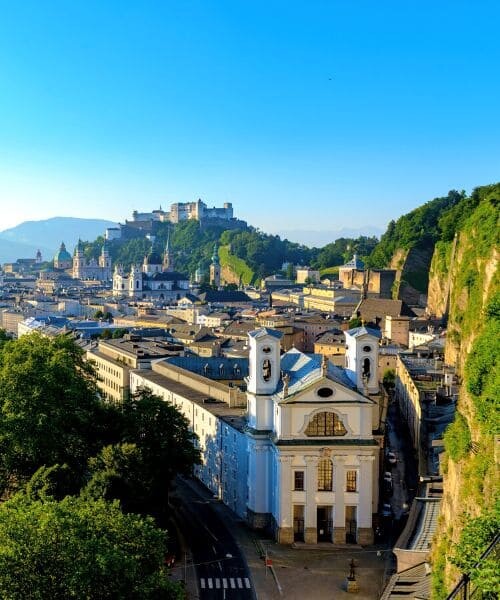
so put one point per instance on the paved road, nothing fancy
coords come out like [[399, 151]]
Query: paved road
[[221, 570]]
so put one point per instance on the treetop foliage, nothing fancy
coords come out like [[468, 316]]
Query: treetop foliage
[[80, 548]]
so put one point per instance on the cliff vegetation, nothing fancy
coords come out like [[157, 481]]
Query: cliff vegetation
[[465, 269]]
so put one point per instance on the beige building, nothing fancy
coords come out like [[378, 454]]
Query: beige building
[[307, 275], [114, 359], [332, 345], [397, 329]]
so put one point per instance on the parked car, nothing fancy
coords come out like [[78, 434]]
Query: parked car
[[388, 477], [391, 458], [386, 510]]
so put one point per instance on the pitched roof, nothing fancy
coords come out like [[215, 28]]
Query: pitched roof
[[263, 331], [304, 369], [224, 296], [359, 331], [370, 308]]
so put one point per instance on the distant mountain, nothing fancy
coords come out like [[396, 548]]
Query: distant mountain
[[11, 251], [23, 240], [319, 239]]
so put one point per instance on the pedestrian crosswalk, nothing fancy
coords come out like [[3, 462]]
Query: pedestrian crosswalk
[[218, 583]]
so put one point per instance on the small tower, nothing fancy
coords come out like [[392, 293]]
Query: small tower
[[264, 361], [362, 349], [215, 268], [79, 261], [168, 256], [105, 258], [135, 281], [38, 257], [264, 376]]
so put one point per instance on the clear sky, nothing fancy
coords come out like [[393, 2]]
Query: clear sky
[[305, 114]]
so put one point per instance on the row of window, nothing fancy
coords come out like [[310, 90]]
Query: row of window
[[325, 478]]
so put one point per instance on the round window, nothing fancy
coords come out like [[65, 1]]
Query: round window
[[325, 392], [266, 350], [367, 348]]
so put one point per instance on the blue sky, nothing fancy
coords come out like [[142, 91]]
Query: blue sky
[[305, 115]]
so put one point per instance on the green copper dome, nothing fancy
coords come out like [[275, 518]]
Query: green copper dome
[[62, 255]]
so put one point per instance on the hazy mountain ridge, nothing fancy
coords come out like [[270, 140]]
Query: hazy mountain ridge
[[23, 240]]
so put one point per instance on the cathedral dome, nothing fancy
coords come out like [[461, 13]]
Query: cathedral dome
[[62, 255], [152, 259]]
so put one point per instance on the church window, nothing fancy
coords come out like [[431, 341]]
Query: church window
[[325, 392], [266, 370], [266, 349], [351, 481], [298, 480], [137, 284], [366, 368], [325, 424], [367, 348], [325, 475]]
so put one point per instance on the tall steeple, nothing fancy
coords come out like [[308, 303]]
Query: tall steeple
[[215, 268], [168, 256]]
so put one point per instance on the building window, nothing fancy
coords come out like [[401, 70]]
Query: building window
[[325, 475], [351, 481], [325, 424], [298, 480]]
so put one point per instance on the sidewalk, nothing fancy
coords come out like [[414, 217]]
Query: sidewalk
[[315, 573]]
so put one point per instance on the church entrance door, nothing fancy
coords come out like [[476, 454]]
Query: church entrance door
[[325, 524]]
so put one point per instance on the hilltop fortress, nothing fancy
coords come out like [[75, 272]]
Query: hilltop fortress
[[146, 223]]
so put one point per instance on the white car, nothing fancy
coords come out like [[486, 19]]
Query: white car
[[391, 458], [388, 477]]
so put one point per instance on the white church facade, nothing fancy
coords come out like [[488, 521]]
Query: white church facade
[[301, 458], [155, 280]]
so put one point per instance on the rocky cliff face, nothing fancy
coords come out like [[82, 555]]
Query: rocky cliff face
[[412, 272], [464, 282]]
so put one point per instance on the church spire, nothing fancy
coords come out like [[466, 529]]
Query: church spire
[[168, 256]]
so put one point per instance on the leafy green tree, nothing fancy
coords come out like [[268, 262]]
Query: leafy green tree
[[98, 314], [119, 333], [120, 472], [50, 412], [389, 379], [355, 322], [80, 548], [161, 435], [4, 337]]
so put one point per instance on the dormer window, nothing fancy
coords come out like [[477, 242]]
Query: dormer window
[[325, 424]]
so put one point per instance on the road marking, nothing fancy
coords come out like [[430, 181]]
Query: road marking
[[210, 583], [217, 583], [216, 539], [224, 583], [220, 566], [213, 548], [202, 581], [231, 581], [240, 583], [247, 583]]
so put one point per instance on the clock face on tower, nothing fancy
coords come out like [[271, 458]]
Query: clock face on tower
[[266, 369]]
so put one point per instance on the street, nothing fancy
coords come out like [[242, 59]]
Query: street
[[221, 571]]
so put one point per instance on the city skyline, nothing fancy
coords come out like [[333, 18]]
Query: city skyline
[[305, 118]]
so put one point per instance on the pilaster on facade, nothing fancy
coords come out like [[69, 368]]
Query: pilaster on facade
[[365, 507], [339, 486], [311, 518]]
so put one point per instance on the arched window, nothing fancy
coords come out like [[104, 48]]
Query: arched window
[[325, 475], [366, 368], [325, 424]]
